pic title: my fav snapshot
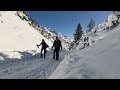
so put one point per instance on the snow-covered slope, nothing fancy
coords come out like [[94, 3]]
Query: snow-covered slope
[[100, 60], [96, 56], [98, 32], [19, 33]]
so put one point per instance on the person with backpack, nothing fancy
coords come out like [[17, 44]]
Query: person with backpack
[[56, 45], [44, 47]]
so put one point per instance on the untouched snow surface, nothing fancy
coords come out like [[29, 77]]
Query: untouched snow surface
[[98, 61], [16, 34], [27, 65]]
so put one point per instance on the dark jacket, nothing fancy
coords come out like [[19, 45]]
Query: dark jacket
[[44, 45], [57, 44]]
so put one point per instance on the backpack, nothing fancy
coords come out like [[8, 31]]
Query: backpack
[[46, 46]]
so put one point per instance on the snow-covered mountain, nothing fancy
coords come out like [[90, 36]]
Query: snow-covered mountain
[[20, 32], [96, 56]]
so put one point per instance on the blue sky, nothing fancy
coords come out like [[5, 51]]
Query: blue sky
[[66, 22]]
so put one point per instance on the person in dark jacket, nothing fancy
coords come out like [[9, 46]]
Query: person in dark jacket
[[56, 45], [44, 46]]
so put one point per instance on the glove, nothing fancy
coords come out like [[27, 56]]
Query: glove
[[38, 46]]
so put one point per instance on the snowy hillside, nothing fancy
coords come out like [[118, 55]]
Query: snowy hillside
[[95, 58], [98, 61], [19, 32], [19, 57], [89, 38]]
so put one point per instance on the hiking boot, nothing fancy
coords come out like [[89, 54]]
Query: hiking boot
[[57, 58]]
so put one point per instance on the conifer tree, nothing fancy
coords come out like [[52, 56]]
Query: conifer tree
[[78, 33]]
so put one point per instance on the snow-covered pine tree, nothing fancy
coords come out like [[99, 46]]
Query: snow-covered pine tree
[[78, 33], [91, 25], [116, 13]]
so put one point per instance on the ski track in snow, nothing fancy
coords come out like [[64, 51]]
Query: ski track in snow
[[30, 68]]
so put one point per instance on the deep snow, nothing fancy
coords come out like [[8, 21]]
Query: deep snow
[[98, 61]]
